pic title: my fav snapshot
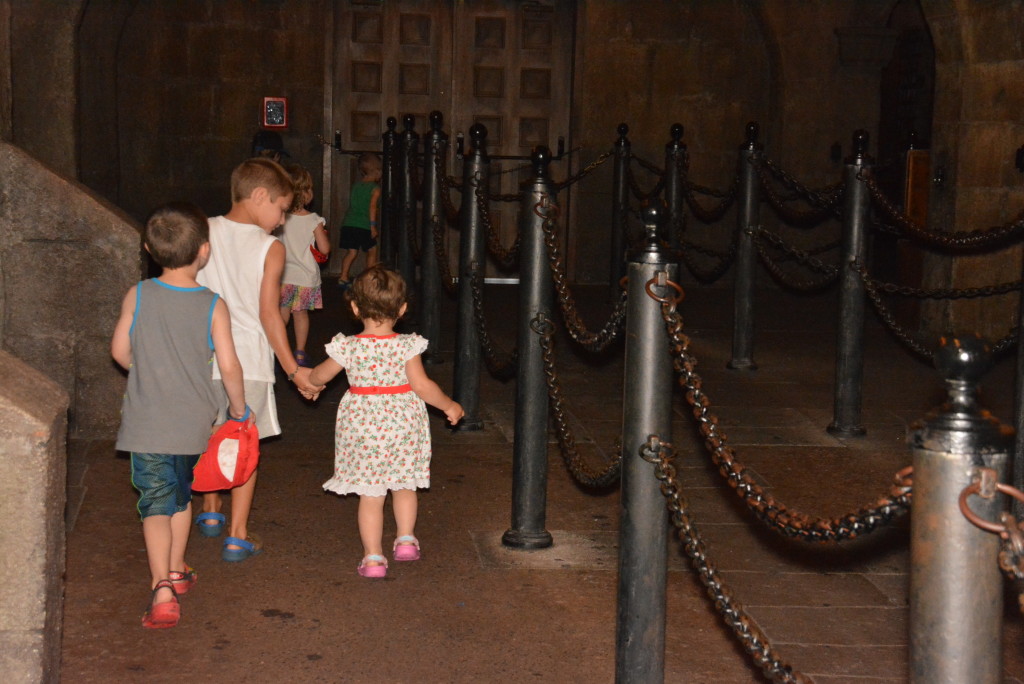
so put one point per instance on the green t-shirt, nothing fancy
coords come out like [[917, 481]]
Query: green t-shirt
[[358, 214]]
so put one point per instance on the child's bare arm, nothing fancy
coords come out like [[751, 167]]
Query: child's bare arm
[[429, 391], [323, 240], [121, 344], [374, 211], [325, 372], [273, 324], [227, 359]]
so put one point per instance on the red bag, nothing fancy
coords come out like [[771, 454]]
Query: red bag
[[319, 256], [231, 457]]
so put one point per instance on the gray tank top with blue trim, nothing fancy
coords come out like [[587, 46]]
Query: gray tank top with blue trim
[[171, 400]]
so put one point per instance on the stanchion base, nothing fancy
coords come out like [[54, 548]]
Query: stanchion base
[[741, 364], [518, 539], [470, 425], [846, 431]]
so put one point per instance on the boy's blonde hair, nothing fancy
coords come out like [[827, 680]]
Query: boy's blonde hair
[[379, 293], [302, 186], [174, 234], [368, 161], [259, 172]]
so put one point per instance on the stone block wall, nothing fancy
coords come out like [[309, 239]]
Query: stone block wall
[[66, 260], [33, 437]]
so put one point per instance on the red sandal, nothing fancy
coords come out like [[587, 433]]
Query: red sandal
[[183, 580], [162, 615]]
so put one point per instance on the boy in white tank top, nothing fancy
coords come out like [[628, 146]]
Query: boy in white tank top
[[245, 268]]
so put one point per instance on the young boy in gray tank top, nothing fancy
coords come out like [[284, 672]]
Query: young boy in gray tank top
[[169, 330]]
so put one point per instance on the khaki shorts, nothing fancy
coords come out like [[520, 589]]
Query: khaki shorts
[[259, 395]]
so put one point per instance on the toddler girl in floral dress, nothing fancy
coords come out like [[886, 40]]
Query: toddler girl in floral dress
[[382, 436]]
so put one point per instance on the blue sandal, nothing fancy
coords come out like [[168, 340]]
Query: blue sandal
[[208, 530], [249, 547]]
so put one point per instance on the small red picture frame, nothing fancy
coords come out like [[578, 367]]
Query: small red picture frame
[[275, 112]]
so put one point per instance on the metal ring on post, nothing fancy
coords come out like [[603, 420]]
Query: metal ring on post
[[975, 488], [662, 281], [546, 204]]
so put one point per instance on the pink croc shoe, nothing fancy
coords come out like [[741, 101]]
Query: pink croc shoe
[[373, 571], [407, 548]]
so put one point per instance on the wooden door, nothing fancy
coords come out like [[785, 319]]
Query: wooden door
[[504, 64]]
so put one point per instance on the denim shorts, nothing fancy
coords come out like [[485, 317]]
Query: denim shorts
[[164, 482]]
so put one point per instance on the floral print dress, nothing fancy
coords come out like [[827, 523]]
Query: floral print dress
[[381, 441]]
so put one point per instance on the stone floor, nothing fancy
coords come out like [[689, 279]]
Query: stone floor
[[474, 611]]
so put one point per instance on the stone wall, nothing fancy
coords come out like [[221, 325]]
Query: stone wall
[[33, 436], [66, 259]]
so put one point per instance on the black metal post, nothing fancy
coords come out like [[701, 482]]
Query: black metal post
[[620, 209], [748, 220], [1018, 451], [675, 153], [388, 191], [472, 255], [956, 588], [406, 195], [850, 345], [536, 297], [647, 410], [435, 146]]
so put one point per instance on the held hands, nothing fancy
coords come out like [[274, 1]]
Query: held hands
[[307, 389], [454, 413]]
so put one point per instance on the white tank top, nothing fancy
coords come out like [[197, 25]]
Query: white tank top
[[235, 272]]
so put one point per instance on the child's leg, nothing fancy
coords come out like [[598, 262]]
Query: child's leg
[[286, 313], [371, 525], [371, 257], [181, 525], [347, 260], [301, 329], [156, 530], [155, 477], [406, 505], [241, 504]]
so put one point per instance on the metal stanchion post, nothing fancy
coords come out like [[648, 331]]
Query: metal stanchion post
[[620, 208], [647, 410], [956, 589], [747, 220], [472, 255], [1017, 469], [530, 451], [675, 152], [850, 345], [406, 195], [435, 145], [388, 188]]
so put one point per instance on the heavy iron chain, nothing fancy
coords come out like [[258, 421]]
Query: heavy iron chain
[[447, 280], [803, 257], [827, 208], [993, 238], [506, 258], [594, 342], [706, 215], [545, 328], [409, 214], [585, 172], [986, 484], [752, 639], [873, 289], [501, 364], [725, 260], [788, 522], [816, 197], [447, 183], [635, 188], [813, 285]]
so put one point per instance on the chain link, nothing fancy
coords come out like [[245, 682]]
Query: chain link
[[715, 213], [725, 260], [545, 328], [993, 238], [447, 280], [874, 288], [753, 640], [830, 274], [447, 183], [819, 197], [506, 258], [825, 207], [574, 324], [585, 172], [501, 364], [635, 188], [1010, 530], [774, 514]]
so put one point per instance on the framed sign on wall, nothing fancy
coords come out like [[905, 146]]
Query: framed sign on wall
[[275, 112]]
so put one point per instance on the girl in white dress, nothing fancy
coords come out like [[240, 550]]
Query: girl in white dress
[[382, 435]]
